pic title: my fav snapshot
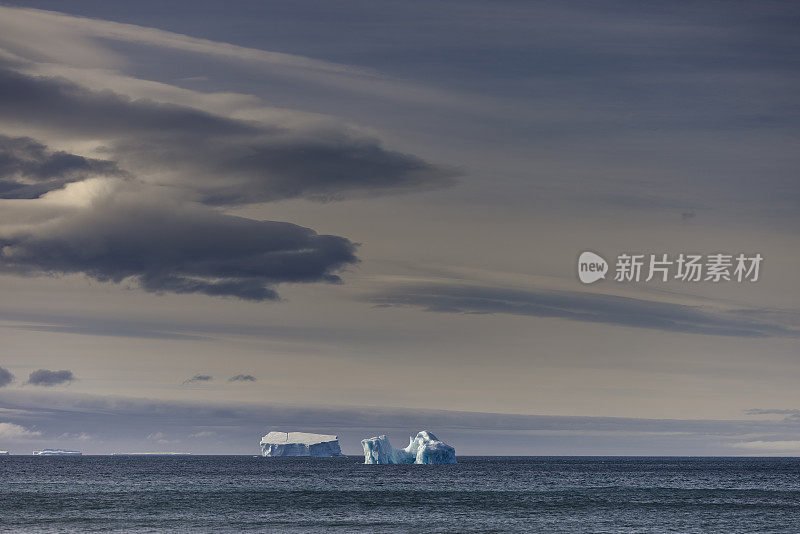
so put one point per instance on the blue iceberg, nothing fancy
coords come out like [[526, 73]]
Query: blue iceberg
[[425, 448]]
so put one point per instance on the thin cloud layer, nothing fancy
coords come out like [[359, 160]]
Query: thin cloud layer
[[586, 307], [136, 423], [772, 411], [11, 431], [792, 415], [46, 377], [778, 446]]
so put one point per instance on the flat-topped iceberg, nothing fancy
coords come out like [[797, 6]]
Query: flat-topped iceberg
[[151, 454], [56, 452], [425, 448], [300, 444]]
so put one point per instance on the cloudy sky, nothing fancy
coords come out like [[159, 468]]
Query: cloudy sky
[[220, 219]]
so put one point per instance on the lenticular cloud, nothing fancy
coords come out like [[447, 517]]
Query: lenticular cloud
[[146, 206], [177, 248]]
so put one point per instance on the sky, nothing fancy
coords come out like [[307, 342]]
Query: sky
[[357, 218]]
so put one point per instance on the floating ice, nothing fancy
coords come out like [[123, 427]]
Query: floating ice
[[5, 453], [56, 452], [151, 454], [300, 444], [423, 449]]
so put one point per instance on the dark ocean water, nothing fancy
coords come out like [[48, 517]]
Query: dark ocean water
[[480, 494]]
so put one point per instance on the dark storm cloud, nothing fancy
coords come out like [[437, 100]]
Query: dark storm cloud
[[587, 307], [28, 169], [46, 377], [242, 378], [5, 377], [220, 160], [198, 378], [178, 248]]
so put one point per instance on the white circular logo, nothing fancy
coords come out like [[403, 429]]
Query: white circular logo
[[591, 267]]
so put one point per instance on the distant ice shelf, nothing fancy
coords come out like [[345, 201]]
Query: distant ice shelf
[[425, 448], [151, 454], [56, 452], [300, 444]]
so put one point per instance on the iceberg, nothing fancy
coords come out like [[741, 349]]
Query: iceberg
[[5, 453], [151, 454], [425, 448], [56, 452], [300, 444]]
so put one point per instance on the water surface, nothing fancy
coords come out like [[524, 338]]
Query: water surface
[[480, 494]]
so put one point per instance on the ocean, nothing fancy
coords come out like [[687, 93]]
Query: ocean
[[480, 494]]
